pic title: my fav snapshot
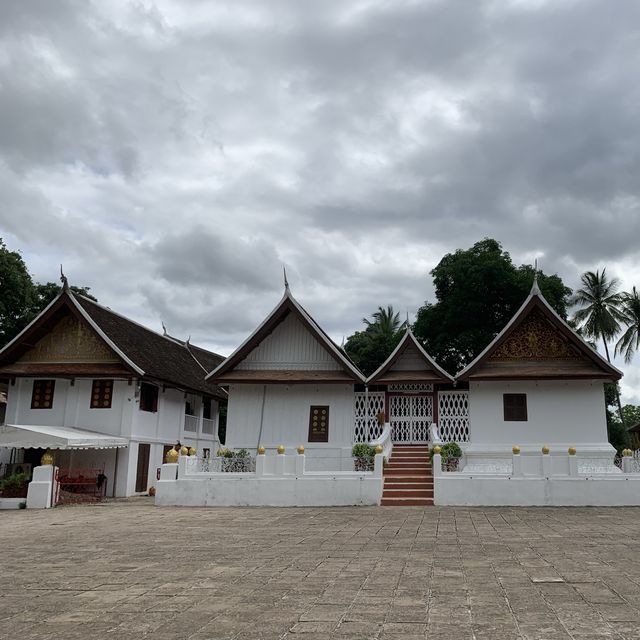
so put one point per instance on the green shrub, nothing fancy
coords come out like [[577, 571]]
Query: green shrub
[[448, 451], [223, 452], [363, 450], [14, 481], [451, 450]]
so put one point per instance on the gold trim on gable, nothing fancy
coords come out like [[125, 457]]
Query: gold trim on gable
[[70, 341]]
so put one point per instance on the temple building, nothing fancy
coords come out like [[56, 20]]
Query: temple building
[[107, 396]]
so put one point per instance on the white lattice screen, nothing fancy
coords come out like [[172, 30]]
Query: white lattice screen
[[366, 427], [411, 387], [453, 416]]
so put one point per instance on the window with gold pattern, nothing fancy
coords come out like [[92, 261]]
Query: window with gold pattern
[[42, 395], [101, 394], [319, 424]]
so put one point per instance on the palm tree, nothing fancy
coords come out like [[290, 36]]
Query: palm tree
[[385, 322], [629, 343], [601, 313]]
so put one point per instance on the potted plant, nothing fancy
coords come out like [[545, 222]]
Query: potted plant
[[363, 455], [450, 456]]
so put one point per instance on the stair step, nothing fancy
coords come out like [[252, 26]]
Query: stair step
[[408, 472], [398, 484], [406, 502], [407, 493]]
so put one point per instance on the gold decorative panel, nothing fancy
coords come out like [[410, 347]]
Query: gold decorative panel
[[70, 341], [535, 338]]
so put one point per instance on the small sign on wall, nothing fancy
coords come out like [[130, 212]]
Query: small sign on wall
[[319, 423]]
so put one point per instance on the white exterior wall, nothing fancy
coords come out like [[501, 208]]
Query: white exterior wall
[[290, 346], [561, 414], [71, 408], [286, 420]]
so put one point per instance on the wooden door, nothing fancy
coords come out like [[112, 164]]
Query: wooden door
[[142, 474]]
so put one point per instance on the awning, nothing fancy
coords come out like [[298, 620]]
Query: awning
[[29, 436]]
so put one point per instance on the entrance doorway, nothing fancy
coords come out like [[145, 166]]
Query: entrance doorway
[[410, 417], [142, 473]]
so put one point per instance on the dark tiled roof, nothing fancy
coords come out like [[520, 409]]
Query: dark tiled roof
[[162, 357]]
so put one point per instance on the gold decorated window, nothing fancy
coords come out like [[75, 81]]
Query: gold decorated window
[[42, 395], [319, 423], [101, 394]]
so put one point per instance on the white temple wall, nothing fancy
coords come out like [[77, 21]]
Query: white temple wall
[[286, 419], [559, 412]]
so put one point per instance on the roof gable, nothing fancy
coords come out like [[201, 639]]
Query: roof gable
[[288, 347], [409, 362], [77, 336], [537, 344]]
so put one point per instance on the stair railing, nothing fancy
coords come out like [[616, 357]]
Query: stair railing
[[384, 440], [435, 434]]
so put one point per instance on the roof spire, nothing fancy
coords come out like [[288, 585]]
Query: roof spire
[[63, 279], [535, 289], [164, 329], [286, 282]]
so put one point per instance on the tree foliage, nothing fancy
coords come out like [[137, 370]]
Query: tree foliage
[[477, 292], [629, 343], [370, 348], [22, 299]]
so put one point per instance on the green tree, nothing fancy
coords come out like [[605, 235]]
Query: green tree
[[17, 294], [616, 430], [600, 312], [22, 299], [477, 291], [629, 343], [46, 293], [370, 348]]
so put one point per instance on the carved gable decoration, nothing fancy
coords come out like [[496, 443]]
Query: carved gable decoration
[[70, 341], [535, 339]]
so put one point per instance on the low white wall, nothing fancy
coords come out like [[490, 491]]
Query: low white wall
[[557, 482], [457, 489], [323, 491], [278, 481]]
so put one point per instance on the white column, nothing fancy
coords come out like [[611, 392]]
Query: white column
[[517, 464], [546, 465], [300, 463], [437, 464], [41, 487]]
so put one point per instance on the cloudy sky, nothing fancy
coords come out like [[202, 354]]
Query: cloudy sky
[[173, 155]]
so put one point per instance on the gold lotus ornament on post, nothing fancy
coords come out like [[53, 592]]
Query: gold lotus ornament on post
[[545, 450], [192, 451], [379, 449], [437, 449], [515, 450], [47, 458], [261, 450], [300, 449], [171, 457], [571, 451], [184, 451], [280, 449]]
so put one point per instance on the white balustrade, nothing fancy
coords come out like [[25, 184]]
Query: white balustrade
[[190, 423]]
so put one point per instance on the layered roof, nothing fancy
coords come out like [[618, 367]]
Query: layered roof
[[118, 346], [289, 347], [409, 363], [538, 344]]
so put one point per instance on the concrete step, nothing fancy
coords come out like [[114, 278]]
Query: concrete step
[[406, 502], [408, 485], [422, 473], [407, 493]]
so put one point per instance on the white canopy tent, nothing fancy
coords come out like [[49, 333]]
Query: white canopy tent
[[29, 436]]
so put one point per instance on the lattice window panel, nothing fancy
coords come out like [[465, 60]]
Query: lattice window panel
[[366, 427], [411, 387], [453, 416]]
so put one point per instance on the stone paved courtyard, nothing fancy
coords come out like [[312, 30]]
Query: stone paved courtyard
[[130, 570]]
